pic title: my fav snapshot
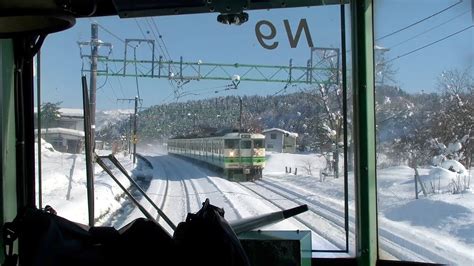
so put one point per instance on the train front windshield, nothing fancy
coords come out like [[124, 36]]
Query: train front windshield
[[245, 144], [231, 143], [258, 144], [285, 76]]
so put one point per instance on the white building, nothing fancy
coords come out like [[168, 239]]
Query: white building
[[64, 139], [279, 140], [66, 134]]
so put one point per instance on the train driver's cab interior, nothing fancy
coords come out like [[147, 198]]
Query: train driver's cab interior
[[248, 132]]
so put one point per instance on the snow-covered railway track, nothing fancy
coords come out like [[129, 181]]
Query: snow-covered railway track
[[174, 196], [391, 243], [215, 192], [164, 196], [202, 185], [327, 234], [322, 209]]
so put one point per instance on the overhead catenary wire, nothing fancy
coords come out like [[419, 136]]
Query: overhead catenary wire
[[113, 91], [153, 27], [108, 31], [118, 79], [107, 96], [161, 37], [136, 70], [164, 52], [430, 29], [175, 89], [419, 21], [114, 63], [429, 44], [152, 31]]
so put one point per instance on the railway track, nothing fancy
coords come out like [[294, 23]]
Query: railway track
[[203, 175], [163, 197], [182, 181], [391, 243], [330, 220], [327, 234]]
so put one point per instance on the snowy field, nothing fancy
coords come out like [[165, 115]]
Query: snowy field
[[438, 227]]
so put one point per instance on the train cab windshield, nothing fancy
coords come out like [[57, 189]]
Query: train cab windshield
[[231, 143], [258, 144], [261, 110]]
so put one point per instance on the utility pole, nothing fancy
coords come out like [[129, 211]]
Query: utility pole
[[133, 137], [93, 77], [240, 115], [94, 56]]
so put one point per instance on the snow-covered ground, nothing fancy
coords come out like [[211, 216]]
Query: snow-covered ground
[[63, 185], [438, 227]]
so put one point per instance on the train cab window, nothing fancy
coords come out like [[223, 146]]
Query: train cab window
[[258, 144], [245, 144], [231, 143], [277, 83], [424, 117], [369, 125]]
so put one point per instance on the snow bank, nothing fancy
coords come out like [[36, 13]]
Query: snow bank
[[64, 185], [439, 179], [276, 162], [455, 165]]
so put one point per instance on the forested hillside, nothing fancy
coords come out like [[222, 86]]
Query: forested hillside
[[408, 125]]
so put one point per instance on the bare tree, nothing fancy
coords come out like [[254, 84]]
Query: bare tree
[[308, 166]]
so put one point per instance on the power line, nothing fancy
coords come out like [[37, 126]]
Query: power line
[[161, 37], [111, 53], [419, 21], [157, 40], [165, 52], [118, 79], [108, 31], [113, 91], [432, 43], [107, 96], [103, 84], [430, 29], [162, 51]]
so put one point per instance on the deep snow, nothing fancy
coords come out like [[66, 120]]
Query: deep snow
[[436, 227]]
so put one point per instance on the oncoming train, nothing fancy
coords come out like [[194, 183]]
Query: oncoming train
[[241, 156]]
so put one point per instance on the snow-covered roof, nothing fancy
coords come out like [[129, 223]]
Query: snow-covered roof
[[117, 112], [236, 135], [60, 130], [71, 112], [291, 134], [66, 111]]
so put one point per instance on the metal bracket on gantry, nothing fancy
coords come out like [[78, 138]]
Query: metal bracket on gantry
[[134, 44]]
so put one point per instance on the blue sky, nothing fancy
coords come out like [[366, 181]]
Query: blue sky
[[200, 37]]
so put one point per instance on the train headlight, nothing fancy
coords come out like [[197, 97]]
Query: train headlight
[[258, 152], [231, 154]]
